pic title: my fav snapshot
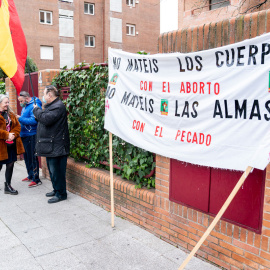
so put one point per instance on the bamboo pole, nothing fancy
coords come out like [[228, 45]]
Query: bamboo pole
[[111, 179], [217, 218]]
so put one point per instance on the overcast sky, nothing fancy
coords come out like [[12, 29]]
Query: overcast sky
[[168, 15]]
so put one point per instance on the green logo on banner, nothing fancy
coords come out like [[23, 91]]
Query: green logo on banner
[[114, 78], [269, 83], [164, 106]]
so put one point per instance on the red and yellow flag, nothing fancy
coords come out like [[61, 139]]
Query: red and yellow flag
[[13, 48]]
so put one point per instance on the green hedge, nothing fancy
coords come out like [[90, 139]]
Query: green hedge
[[89, 140]]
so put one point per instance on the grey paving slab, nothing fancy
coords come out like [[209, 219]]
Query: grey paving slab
[[75, 235], [63, 260]]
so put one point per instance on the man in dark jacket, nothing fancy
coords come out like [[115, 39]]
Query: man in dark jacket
[[53, 141], [28, 135]]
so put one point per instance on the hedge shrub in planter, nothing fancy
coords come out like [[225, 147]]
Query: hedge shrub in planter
[[86, 107]]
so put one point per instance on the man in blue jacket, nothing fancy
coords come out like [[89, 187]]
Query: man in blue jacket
[[28, 135]]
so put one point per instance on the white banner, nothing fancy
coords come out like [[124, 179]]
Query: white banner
[[210, 108]]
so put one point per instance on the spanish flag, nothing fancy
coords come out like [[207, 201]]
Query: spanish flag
[[13, 48]]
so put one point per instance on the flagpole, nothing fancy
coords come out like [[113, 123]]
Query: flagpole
[[111, 179], [217, 218], [31, 81]]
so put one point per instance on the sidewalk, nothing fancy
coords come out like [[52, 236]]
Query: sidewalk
[[75, 234]]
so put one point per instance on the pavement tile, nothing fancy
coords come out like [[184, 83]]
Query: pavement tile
[[63, 260], [130, 249]]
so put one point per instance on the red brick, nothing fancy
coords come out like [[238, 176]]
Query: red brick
[[178, 41], [206, 37], [265, 243], [246, 247], [231, 261], [239, 29], [220, 249], [254, 25], [261, 22], [218, 34], [200, 39], [250, 238], [212, 35], [243, 235], [169, 42], [232, 26], [247, 20], [189, 40], [244, 260], [221, 236], [218, 262], [266, 255], [268, 22], [232, 248], [183, 40], [195, 39], [178, 230], [257, 259], [236, 232], [174, 40]]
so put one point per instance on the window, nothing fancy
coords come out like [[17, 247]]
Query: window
[[206, 189], [89, 41], [130, 30], [131, 3], [214, 4], [45, 17], [46, 52], [89, 8]]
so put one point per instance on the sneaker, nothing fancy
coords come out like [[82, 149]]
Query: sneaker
[[34, 184], [26, 179]]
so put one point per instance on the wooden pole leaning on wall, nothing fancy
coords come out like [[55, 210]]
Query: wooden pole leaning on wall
[[111, 179], [217, 218]]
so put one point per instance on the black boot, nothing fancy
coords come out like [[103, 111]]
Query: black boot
[[9, 189]]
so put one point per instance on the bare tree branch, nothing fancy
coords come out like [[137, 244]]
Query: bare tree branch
[[255, 7]]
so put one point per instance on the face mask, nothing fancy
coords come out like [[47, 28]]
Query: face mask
[[44, 100], [22, 105]]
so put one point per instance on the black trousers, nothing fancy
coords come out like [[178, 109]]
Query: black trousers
[[57, 168], [31, 161]]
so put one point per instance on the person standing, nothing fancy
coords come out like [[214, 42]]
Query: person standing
[[10, 142], [28, 135], [53, 140]]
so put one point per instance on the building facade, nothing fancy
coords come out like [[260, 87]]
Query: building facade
[[198, 12], [67, 32]]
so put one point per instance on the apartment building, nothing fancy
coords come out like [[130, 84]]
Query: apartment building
[[66, 32]]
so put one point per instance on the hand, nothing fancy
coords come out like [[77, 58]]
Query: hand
[[11, 137], [18, 116], [35, 105]]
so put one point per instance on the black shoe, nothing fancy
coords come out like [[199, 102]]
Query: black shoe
[[56, 199], [50, 194], [10, 190]]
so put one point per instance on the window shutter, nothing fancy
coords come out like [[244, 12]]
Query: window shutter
[[66, 55], [116, 30], [116, 5], [66, 23]]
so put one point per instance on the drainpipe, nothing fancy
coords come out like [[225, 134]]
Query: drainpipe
[[103, 36]]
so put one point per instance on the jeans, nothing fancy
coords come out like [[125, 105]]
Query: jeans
[[31, 161], [57, 169]]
